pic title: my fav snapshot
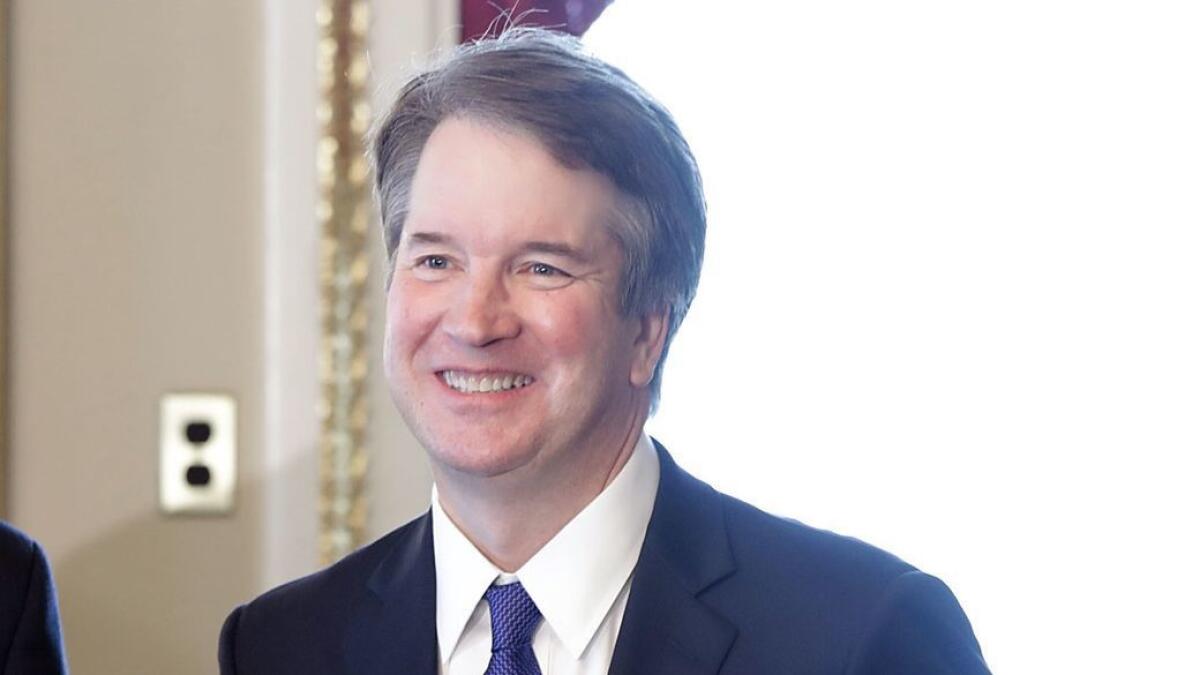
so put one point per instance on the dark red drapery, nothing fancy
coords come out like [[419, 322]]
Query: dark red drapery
[[486, 17]]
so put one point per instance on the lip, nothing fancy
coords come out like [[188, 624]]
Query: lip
[[489, 370]]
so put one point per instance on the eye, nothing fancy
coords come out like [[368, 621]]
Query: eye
[[433, 262], [432, 267], [544, 270], [545, 276]]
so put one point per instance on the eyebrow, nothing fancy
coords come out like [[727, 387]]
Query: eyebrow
[[428, 238], [546, 247], [555, 248]]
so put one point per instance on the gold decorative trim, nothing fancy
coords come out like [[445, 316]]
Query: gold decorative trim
[[342, 210]]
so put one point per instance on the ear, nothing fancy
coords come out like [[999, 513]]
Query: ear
[[648, 346]]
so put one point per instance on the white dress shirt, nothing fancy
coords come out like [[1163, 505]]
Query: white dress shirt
[[579, 580]]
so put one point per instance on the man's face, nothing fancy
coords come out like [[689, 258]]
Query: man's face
[[505, 347]]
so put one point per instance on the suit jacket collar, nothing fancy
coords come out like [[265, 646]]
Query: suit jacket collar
[[667, 629], [396, 630]]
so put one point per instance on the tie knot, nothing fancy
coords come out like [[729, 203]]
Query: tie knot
[[514, 616]]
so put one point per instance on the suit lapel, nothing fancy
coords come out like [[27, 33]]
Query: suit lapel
[[395, 632], [667, 629]]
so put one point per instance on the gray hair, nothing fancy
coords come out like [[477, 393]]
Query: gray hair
[[588, 114]]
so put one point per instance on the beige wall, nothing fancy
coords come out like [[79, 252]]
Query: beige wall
[[163, 239], [136, 258]]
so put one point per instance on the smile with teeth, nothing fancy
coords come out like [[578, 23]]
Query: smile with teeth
[[484, 384]]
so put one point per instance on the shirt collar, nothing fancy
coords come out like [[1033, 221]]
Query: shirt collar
[[574, 579], [463, 574]]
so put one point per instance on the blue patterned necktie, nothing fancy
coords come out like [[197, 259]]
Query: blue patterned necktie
[[514, 618]]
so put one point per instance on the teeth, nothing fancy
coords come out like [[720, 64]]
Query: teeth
[[470, 384]]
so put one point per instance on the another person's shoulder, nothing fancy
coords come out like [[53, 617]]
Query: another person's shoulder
[[21, 560], [30, 635], [15, 544]]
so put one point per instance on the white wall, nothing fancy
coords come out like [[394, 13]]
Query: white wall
[[401, 36], [951, 303]]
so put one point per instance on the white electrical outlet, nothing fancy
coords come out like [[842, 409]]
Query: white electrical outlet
[[197, 453]]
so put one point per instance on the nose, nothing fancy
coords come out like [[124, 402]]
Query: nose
[[483, 313]]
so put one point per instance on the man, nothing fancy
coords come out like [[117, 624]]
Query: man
[[544, 222], [30, 638]]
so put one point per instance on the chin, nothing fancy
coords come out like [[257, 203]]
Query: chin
[[477, 457]]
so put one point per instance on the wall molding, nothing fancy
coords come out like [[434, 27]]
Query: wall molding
[[343, 209]]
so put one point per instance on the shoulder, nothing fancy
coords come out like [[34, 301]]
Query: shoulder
[[368, 609], [312, 609], [326, 591], [794, 589], [770, 551], [769, 545]]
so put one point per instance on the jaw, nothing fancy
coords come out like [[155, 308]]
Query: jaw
[[473, 432], [548, 425]]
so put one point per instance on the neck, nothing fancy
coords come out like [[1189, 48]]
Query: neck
[[510, 518]]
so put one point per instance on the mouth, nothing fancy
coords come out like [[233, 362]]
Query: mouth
[[484, 383]]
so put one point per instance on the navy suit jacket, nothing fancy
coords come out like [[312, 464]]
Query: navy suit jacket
[[719, 587], [30, 638]]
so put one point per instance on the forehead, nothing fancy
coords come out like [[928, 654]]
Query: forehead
[[482, 179]]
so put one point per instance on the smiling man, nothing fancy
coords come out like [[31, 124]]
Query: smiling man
[[544, 221]]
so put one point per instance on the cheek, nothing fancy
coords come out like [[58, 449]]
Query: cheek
[[574, 330], [410, 315]]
